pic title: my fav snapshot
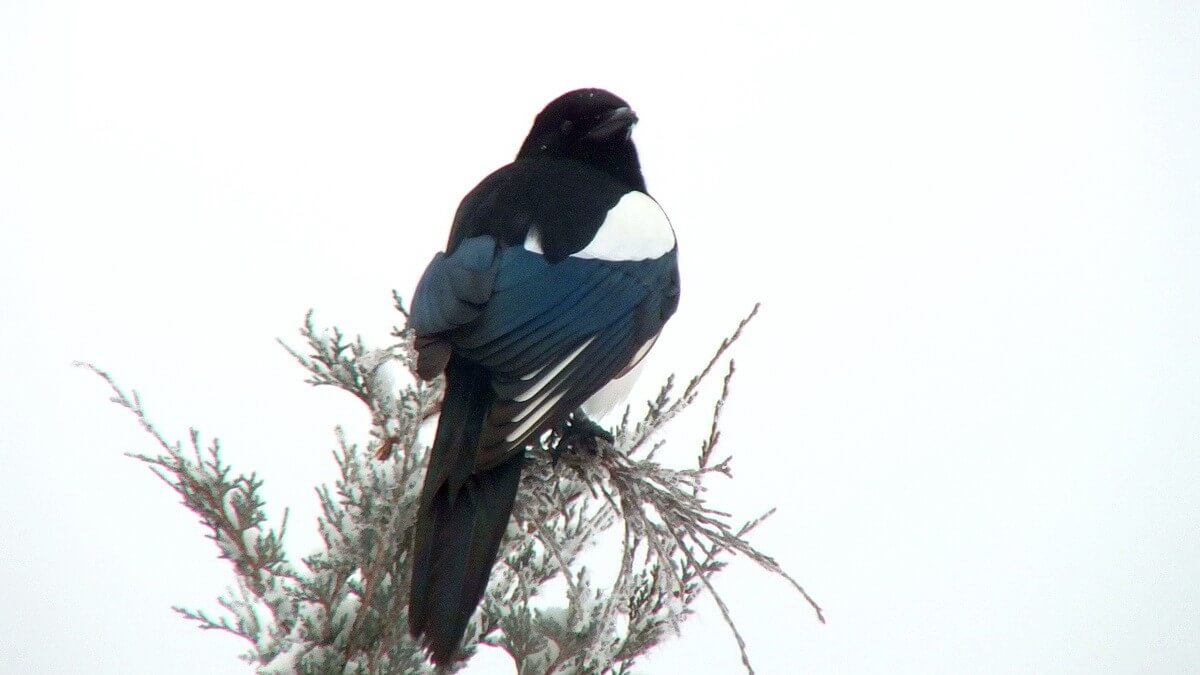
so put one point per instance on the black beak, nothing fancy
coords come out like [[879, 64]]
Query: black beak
[[619, 121]]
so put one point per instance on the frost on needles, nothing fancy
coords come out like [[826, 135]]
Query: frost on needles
[[343, 609]]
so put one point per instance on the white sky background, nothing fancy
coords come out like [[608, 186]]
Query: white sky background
[[973, 392]]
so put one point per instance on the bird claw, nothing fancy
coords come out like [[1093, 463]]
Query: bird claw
[[579, 433]]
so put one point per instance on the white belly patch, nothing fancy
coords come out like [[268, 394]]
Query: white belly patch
[[618, 389]]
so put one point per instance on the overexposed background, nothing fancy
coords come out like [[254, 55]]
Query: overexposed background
[[973, 392]]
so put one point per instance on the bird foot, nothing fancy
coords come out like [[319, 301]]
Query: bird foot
[[579, 434]]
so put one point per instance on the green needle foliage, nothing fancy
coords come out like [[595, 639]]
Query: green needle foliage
[[343, 608]]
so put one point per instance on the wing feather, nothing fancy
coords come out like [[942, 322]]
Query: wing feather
[[549, 334]]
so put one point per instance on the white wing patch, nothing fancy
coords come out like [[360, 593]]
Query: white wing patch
[[635, 229], [534, 418], [537, 386], [535, 411]]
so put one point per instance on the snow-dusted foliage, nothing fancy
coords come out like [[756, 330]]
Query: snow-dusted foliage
[[343, 609]]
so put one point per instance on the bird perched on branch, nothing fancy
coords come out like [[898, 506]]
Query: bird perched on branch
[[559, 273]]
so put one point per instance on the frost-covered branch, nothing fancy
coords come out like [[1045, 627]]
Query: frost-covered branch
[[344, 610], [231, 509]]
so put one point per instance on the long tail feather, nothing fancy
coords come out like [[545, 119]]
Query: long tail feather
[[462, 517]]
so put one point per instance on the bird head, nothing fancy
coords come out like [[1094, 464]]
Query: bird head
[[592, 126]]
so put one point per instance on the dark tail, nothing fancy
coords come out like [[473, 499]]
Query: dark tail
[[461, 519]]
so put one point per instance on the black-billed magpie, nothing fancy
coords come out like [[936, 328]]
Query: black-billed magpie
[[559, 273]]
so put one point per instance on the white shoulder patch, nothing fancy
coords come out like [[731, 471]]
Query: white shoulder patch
[[635, 229], [533, 241]]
